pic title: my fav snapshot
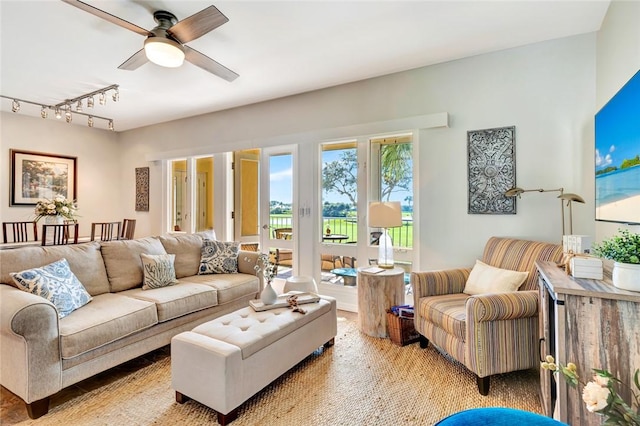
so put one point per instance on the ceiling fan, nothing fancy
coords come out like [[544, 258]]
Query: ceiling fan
[[165, 44]]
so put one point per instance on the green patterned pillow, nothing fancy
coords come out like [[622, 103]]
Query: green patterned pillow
[[56, 283], [219, 257], [158, 270]]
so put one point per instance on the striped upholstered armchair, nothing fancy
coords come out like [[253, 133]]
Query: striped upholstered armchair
[[489, 333]]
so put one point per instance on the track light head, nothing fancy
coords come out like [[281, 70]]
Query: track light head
[[58, 113], [90, 121], [43, 112], [15, 106], [111, 125], [90, 102], [115, 95], [79, 106], [102, 98]]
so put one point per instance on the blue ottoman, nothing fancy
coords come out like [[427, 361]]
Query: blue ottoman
[[497, 416]]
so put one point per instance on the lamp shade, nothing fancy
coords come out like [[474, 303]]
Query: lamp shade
[[571, 197], [164, 52], [385, 214]]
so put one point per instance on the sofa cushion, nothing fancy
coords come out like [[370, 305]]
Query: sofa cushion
[[219, 257], [85, 261], [229, 287], [158, 270], [252, 331], [56, 283], [489, 279], [122, 261], [107, 318], [188, 249], [447, 312], [177, 300]]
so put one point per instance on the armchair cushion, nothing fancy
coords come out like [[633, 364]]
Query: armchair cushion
[[446, 312], [489, 279]]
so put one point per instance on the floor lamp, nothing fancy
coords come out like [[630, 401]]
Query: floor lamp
[[569, 197], [385, 215]]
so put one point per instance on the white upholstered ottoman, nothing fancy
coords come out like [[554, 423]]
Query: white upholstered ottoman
[[224, 362]]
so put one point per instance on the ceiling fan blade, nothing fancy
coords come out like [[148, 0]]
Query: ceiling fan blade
[[197, 24], [208, 64], [134, 62], [108, 17]]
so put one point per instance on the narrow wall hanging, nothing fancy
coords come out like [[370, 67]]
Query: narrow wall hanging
[[142, 189], [491, 170]]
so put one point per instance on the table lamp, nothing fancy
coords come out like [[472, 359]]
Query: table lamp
[[385, 215]]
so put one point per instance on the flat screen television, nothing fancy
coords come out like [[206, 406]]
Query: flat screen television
[[617, 174]]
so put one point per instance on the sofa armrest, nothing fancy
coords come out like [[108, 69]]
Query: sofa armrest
[[435, 283], [247, 261], [31, 364], [502, 306]]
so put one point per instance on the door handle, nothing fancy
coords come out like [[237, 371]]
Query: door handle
[[265, 226]]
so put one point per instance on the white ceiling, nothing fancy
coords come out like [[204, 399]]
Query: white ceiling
[[51, 51]]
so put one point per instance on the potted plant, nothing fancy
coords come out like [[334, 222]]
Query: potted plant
[[624, 249]]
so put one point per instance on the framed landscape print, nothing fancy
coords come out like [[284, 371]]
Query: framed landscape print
[[38, 175], [492, 170]]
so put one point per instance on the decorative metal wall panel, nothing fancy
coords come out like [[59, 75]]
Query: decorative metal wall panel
[[142, 189], [492, 170]]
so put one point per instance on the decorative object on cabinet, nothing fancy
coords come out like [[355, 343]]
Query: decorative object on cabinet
[[142, 189], [624, 250], [38, 175], [491, 170]]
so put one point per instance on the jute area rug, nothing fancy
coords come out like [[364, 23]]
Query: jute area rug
[[360, 381]]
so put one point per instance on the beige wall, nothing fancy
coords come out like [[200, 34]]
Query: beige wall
[[617, 60], [99, 159]]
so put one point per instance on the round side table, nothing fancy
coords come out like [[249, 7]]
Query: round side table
[[378, 292]]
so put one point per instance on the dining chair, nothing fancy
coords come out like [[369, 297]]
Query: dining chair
[[107, 230], [60, 234], [128, 229], [19, 231]]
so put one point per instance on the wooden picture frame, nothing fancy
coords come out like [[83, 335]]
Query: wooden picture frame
[[38, 175], [491, 170]]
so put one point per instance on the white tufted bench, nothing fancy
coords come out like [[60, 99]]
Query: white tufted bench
[[224, 362]]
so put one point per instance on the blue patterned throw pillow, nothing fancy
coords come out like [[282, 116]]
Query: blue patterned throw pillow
[[219, 257], [56, 283], [159, 270]]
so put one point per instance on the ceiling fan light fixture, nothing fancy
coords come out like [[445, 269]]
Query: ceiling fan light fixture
[[164, 52]]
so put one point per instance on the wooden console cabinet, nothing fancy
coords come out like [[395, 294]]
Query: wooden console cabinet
[[592, 324]]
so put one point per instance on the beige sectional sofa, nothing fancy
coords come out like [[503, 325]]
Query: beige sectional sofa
[[41, 354]]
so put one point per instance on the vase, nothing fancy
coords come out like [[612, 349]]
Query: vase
[[268, 295], [626, 276], [53, 220]]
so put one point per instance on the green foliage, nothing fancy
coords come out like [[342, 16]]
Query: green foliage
[[606, 170], [630, 162], [623, 247]]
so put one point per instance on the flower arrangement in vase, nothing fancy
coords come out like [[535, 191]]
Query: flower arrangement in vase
[[600, 395], [268, 270], [59, 206]]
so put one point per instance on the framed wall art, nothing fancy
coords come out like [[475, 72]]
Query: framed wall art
[[491, 170], [142, 189], [38, 175]]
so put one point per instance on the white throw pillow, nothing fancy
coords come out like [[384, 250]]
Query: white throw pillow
[[56, 283], [489, 279]]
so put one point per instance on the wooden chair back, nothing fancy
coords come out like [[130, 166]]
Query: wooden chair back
[[19, 231], [107, 231], [128, 229], [60, 234]]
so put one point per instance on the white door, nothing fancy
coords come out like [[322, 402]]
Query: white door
[[278, 209]]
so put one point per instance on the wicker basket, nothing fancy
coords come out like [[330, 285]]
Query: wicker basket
[[401, 330]]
